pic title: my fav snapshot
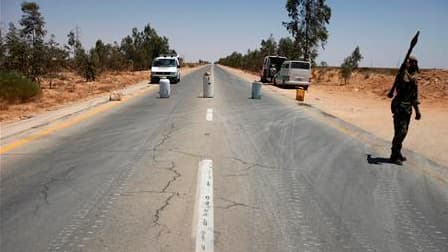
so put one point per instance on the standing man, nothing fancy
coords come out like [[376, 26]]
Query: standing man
[[272, 71], [406, 98]]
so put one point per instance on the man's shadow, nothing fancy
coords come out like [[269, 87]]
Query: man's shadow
[[378, 160]]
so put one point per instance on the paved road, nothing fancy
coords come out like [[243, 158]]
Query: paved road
[[283, 180]]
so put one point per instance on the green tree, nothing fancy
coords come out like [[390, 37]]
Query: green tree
[[308, 25], [84, 63], [268, 46], [32, 22], [33, 31], [349, 64], [127, 47], [2, 51], [55, 58], [16, 51], [139, 60], [233, 60], [73, 42], [356, 57], [140, 48], [286, 48], [101, 52], [117, 60], [154, 44]]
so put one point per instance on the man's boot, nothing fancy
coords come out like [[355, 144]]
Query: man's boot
[[395, 158]]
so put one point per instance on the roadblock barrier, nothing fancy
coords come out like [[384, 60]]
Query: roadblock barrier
[[256, 90], [164, 88], [300, 94], [208, 85]]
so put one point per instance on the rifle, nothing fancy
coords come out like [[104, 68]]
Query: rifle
[[403, 65]]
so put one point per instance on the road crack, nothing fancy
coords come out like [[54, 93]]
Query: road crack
[[167, 201], [165, 138], [170, 182], [44, 193], [177, 175], [159, 211], [232, 203], [124, 194], [186, 153], [236, 175], [251, 165], [45, 188]]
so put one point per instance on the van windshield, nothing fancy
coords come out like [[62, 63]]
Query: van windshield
[[300, 65], [164, 63]]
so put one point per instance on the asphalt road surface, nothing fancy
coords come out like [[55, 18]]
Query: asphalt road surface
[[279, 177]]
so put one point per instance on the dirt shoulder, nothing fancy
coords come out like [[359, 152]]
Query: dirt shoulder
[[70, 88], [363, 103]]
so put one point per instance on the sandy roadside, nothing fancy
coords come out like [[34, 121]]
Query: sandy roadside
[[370, 112]]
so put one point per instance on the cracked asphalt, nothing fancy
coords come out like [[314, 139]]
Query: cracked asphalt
[[285, 179]]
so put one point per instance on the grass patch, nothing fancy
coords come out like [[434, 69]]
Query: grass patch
[[15, 87]]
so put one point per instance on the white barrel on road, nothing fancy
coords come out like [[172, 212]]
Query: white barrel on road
[[164, 88], [208, 85]]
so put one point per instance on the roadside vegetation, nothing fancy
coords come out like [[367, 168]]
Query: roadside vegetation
[[350, 63], [28, 56], [38, 73], [15, 87], [307, 26]]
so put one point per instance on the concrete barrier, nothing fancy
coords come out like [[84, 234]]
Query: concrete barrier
[[208, 85], [164, 88], [256, 90]]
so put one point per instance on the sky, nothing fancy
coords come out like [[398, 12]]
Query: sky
[[210, 29]]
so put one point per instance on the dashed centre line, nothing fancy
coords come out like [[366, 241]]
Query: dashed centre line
[[205, 222], [209, 116]]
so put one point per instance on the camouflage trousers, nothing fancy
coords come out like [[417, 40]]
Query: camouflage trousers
[[401, 125]]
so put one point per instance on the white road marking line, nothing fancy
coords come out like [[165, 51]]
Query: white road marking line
[[209, 116], [205, 223]]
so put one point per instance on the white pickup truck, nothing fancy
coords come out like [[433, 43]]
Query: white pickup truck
[[165, 67]]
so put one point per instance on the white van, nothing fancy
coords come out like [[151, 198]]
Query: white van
[[294, 73], [165, 67]]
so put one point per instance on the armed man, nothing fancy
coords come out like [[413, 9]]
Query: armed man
[[406, 97]]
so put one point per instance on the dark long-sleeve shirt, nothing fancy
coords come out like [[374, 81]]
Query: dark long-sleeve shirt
[[407, 93]]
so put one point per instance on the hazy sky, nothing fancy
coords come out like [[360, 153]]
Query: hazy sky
[[210, 29]]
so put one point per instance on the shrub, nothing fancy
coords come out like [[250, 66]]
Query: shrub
[[15, 87], [349, 64]]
